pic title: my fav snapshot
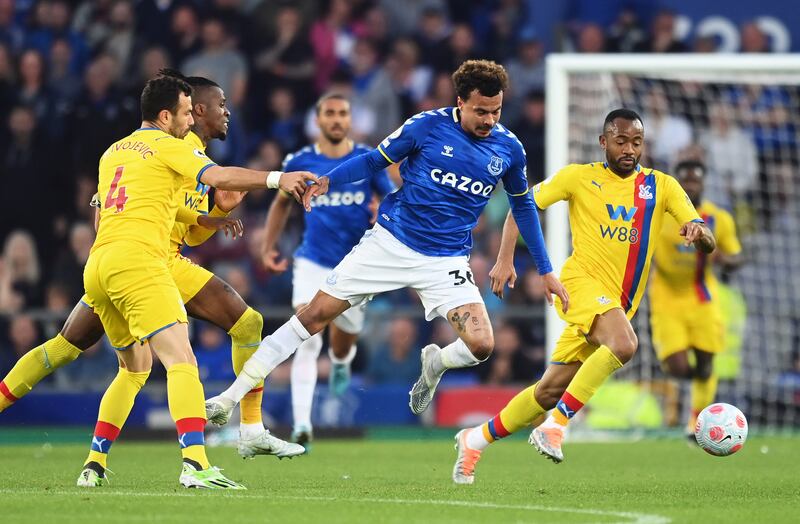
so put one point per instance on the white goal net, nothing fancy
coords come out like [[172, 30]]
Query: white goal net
[[740, 115]]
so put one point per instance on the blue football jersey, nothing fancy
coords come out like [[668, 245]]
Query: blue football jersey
[[341, 216], [448, 177]]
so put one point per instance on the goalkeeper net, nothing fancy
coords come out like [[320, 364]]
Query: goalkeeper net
[[740, 115]]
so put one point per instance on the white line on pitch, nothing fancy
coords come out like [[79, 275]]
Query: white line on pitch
[[632, 517]]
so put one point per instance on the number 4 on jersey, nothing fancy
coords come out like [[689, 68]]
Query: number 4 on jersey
[[121, 198]]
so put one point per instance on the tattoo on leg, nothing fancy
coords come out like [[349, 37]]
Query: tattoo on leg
[[460, 320], [228, 289]]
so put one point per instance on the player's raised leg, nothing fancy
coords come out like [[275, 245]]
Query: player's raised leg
[[474, 344], [81, 330], [135, 362], [218, 303], [275, 349], [521, 412], [617, 343]]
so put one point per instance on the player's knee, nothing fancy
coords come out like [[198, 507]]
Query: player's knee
[[481, 348], [624, 347]]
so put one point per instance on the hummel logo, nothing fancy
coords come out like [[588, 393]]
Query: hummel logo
[[599, 186], [447, 151]]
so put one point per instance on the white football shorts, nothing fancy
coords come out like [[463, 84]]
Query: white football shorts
[[307, 278], [381, 263]]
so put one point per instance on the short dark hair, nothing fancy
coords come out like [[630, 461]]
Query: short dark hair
[[626, 114], [194, 81], [685, 165], [329, 96], [488, 77], [160, 93]]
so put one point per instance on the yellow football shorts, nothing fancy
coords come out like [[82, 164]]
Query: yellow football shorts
[[188, 276], [587, 299], [132, 292], [677, 326]]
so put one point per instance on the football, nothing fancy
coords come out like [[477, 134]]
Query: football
[[721, 429]]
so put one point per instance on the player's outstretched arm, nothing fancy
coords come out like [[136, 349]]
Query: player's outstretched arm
[[357, 168], [503, 271], [277, 217], [525, 214], [243, 179], [700, 235]]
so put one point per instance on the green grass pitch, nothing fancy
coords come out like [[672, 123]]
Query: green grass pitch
[[651, 481]]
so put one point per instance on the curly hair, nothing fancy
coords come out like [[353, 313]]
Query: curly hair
[[488, 77]]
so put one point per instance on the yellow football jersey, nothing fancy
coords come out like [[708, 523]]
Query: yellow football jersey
[[192, 196], [614, 222], [139, 178], [681, 270]]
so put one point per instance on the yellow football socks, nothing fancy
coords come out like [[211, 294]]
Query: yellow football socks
[[115, 407], [245, 338], [187, 407], [703, 393], [34, 366], [595, 370]]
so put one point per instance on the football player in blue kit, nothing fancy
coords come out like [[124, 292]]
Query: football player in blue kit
[[337, 223], [454, 159]]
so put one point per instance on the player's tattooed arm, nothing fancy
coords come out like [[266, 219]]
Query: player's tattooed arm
[[700, 235]]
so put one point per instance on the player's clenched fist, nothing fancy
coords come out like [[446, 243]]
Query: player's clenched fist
[[296, 182]]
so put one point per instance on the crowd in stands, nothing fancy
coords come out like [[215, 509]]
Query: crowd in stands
[[71, 73]]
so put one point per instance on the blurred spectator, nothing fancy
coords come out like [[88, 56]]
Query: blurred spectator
[[626, 33], [24, 173], [525, 74], [102, 114], [32, 90], [662, 36], [376, 29], [52, 18], [705, 44], [91, 19], [442, 94], [461, 46], [8, 78], [397, 360], [591, 39], [408, 15], [20, 274], [509, 362], [184, 39], [283, 124], [530, 131], [97, 366], [732, 158], [68, 270], [288, 59], [333, 38], [411, 81], [667, 132], [23, 335], [152, 61], [432, 36], [11, 34], [372, 86], [529, 293], [753, 39], [212, 348], [62, 82], [219, 62], [123, 44]]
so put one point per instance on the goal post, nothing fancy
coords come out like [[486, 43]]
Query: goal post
[[759, 97]]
